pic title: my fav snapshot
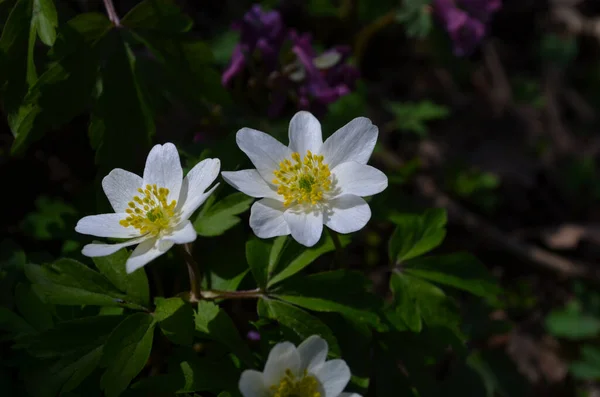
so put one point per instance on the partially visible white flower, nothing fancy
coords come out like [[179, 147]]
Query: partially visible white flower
[[152, 211], [309, 183], [298, 372]]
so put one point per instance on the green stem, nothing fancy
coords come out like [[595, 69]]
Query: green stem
[[339, 250], [193, 271], [216, 294]]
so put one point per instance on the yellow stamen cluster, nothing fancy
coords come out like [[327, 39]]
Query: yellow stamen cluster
[[149, 212], [303, 180], [290, 386]]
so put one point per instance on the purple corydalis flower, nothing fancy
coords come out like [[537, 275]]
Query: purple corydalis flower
[[465, 21], [258, 30]]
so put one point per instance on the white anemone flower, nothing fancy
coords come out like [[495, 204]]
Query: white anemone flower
[[298, 372], [152, 211], [310, 182]]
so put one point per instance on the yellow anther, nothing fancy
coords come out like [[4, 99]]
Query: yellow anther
[[304, 181], [150, 213], [293, 386]]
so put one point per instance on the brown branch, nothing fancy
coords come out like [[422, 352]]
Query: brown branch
[[479, 227]]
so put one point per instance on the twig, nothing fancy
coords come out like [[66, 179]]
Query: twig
[[479, 227], [193, 271], [247, 294], [112, 13]]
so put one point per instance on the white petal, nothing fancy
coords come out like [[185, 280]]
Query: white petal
[[195, 183], [264, 151], [250, 183], [105, 225], [163, 168], [305, 226], [353, 142], [266, 218], [313, 352], [145, 252], [183, 233], [305, 133], [96, 249], [333, 375], [196, 202], [347, 214], [252, 384], [282, 357], [120, 187], [358, 179]]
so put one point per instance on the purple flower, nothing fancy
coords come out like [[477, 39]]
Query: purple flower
[[465, 21], [312, 80], [253, 335], [259, 30]]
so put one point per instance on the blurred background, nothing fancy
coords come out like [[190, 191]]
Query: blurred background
[[487, 108]]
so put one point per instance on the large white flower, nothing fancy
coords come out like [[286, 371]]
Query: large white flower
[[309, 183], [298, 372], [152, 211]]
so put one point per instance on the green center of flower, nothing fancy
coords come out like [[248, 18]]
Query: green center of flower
[[304, 180], [149, 212], [291, 386]]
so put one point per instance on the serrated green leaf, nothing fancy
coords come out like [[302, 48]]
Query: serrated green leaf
[[413, 117], [160, 15], [340, 291], [49, 220], [176, 319], [221, 217], [126, 352], [460, 270], [416, 234], [406, 302], [296, 257], [46, 20], [216, 324], [134, 285], [33, 310], [299, 321]]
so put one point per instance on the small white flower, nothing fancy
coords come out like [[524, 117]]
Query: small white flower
[[309, 183], [298, 372], [152, 211]]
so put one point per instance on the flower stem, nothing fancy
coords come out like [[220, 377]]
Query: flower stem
[[193, 271], [112, 13], [339, 250], [248, 294]]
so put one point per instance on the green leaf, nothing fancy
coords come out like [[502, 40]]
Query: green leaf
[[49, 221], [216, 324], [296, 257], [588, 366], [258, 253], [341, 291], [34, 311], [161, 15], [299, 321], [46, 106], [413, 117], [572, 324], [189, 373], [46, 20], [418, 300], [217, 219], [416, 234], [460, 270], [134, 285], [122, 118], [176, 319], [14, 323], [68, 282], [126, 352]]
